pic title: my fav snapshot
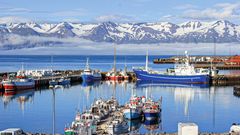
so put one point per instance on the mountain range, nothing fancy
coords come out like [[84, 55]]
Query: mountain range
[[126, 33]]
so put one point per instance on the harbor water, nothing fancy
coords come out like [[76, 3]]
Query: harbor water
[[213, 109]]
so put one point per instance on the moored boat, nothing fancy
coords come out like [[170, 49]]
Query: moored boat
[[131, 112], [8, 85], [64, 81], [83, 124], [21, 82], [117, 126], [151, 110], [133, 109], [182, 73], [53, 83], [89, 75], [113, 74]]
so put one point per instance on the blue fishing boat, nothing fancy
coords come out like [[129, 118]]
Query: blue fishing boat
[[181, 73], [89, 75], [64, 81], [133, 110], [53, 82], [151, 110], [131, 113]]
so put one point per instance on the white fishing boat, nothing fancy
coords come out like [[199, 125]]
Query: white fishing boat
[[117, 126]]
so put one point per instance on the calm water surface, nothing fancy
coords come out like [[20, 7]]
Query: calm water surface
[[214, 109]]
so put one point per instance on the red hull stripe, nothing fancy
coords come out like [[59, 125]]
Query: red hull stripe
[[11, 87]]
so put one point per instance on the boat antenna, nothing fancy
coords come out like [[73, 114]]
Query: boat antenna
[[146, 66]]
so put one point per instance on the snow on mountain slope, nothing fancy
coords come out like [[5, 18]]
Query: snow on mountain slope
[[82, 29], [134, 33]]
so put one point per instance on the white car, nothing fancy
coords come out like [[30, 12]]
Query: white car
[[12, 131]]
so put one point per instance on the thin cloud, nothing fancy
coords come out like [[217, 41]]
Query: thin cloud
[[13, 19], [19, 10], [10, 10], [114, 18], [186, 7], [218, 11], [70, 13]]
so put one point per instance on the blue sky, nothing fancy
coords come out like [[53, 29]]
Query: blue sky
[[175, 11]]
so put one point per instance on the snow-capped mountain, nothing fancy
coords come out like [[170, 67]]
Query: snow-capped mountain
[[124, 33]]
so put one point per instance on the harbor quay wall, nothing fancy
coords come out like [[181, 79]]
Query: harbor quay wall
[[75, 76], [148, 134]]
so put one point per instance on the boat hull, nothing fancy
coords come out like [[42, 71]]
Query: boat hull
[[115, 78], [131, 114], [191, 79], [53, 83], [151, 115], [24, 85], [64, 82], [8, 87], [89, 78]]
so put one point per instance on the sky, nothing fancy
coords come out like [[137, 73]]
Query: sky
[[176, 11]]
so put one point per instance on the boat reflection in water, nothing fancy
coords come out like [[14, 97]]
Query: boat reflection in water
[[183, 93], [90, 85], [149, 83], [20, 96], [152, 125], [134, 125]]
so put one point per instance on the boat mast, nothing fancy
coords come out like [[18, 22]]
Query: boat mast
[[114, 62], [125, 66], [52, 66], [146, 66], [22, 67], [22, 70], [187, 58], [87, 64]]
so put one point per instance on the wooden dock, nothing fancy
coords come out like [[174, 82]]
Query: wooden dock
[[218, 66], [236, 90], [225, 80]]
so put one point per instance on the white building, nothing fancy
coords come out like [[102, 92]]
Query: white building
[[187, 129]]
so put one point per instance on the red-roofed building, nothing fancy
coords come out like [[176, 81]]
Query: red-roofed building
[[234, 60]]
